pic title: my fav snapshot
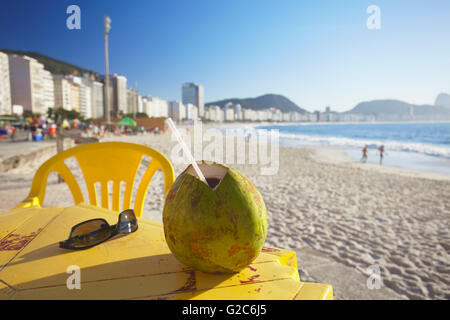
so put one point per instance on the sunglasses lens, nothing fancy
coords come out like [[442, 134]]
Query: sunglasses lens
[[90, 233], [127, 222]]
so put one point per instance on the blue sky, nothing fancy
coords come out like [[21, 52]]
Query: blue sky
[[317, 53]]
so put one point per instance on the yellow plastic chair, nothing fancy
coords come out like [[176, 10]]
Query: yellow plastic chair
[[101, 163]]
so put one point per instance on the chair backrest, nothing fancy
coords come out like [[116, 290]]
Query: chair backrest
[[100, 163]]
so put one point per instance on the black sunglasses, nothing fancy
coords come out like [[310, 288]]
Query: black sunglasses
[[95, 231]]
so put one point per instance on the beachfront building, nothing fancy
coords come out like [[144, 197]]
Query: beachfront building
[[177, 111], [194, 93], [263, 115], [250, 115], [156, 107], [98, 104], [191, 112], [140, 105], [274, 115], [145, 105], [132, 101], [86, 101], [5, 89], [328, 114], [119, 94], [207, 114], [27, 84], [228, 112], [81, 97], [316, 116], [238, 114], [220, 115], [97, 109], [298, 117], [312, 117], [333, 116], [216, 114], [61, 92], [75, 100], [49, 90], [75, 97], [323, 117], [161, 107], [308, 117]]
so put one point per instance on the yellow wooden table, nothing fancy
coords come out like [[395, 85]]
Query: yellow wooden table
[[134, 266]]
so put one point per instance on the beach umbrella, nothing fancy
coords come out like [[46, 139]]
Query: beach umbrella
[[127, 122]]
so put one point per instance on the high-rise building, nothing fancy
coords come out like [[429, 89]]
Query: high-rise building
[[5, 89], [49, 90], [263, 115], [216, 114], [140, 104], [120, 95], [250, 115], [75, 96], [207, 113], [238, 114], [177, 110], [98, 105], [145, 105], [27, 83], [86, 101], [81, 98], [228, 111], [194, 93], [132, 101], [191, 112], [273, 114], [157, 107], [97, 109], [61, 92]]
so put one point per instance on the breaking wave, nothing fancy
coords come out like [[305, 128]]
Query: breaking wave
[[428, 149]]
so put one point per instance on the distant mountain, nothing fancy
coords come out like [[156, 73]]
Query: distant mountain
[[55, 66], [443, 99], [262, 102], [396, 107]]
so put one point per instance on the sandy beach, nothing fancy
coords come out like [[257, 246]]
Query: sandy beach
[[341, 218]]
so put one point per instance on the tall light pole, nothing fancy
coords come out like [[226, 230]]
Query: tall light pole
[[107, 105]]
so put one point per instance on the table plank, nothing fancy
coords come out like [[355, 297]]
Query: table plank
[[5, 291], [18, 239], [283, 289], [315, 291], [11, 220], [121, 288], [178, 285]]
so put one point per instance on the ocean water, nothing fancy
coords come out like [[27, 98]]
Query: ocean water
[[420, 146]]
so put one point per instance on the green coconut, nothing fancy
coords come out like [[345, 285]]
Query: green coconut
[[220, 227]]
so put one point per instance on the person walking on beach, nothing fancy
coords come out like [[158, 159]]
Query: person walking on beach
[[364, 156], [381, 150]]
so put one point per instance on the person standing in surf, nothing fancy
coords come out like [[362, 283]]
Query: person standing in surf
[[364, 156], [381, 150]]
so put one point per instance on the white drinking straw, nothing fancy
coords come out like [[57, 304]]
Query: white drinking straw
[[186, 150]]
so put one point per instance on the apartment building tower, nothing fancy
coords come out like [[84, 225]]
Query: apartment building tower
[[27, 83], [194, 93], [5, 89]]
